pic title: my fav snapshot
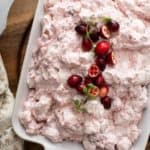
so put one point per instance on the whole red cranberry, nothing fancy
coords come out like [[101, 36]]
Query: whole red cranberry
[[86, 44], [113, 25], [106, 101], [94, 36], [80, 88], [102, 48], [100, 80], [74, 80], [88, 80], [103, 92], [101, 62], [111, 59], [81, 28]]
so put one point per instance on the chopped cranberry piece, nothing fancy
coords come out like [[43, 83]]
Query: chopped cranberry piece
[[93, 71], [105, 32], [110, 59], [93, 92]]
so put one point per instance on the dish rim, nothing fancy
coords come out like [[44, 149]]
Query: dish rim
[[22, 89]]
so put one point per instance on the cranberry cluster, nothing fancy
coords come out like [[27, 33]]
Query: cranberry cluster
[[94, 84]]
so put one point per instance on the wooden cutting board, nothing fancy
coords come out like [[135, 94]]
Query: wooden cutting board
[[13, 44], [12, 40]]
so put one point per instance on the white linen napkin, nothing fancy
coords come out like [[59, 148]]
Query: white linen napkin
[[8, 139]]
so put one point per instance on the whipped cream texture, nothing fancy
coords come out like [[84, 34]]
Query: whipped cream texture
[[48, 109]]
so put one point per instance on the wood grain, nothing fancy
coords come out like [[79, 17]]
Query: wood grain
[[11, 42]]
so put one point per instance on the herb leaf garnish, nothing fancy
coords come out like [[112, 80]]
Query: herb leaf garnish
[[79, 106]]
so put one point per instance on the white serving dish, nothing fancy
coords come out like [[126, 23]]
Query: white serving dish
[[23, 90]]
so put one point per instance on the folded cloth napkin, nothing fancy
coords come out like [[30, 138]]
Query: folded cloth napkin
[[6, 106], [8, 139]]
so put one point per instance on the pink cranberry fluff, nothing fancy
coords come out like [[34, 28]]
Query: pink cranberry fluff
[[48, 109]]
